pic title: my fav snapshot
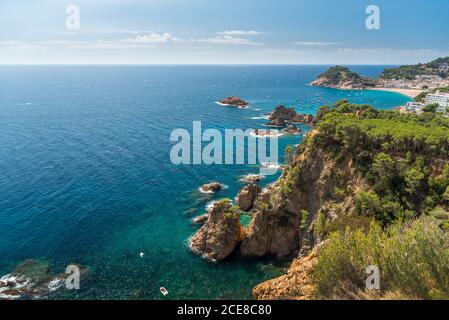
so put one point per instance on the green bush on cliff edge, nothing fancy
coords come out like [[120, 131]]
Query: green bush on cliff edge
[[413, 259]]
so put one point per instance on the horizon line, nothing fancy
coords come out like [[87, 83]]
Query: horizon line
[[196, 64]]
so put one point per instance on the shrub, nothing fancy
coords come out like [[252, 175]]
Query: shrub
[[321, 224], [304, 222], [367, 204], [413, 259]]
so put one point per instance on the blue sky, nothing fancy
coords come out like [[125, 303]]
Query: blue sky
[[223, 32]]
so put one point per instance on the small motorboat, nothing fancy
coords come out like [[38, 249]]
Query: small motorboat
[[163, 291]]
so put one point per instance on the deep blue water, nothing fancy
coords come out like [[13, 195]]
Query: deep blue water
[[85, 174]]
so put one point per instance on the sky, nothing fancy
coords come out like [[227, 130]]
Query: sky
[[222, 32]]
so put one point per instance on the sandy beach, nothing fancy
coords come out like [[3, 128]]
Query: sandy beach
[[412, 93]]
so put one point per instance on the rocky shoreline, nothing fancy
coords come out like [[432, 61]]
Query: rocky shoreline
[[31, 280]]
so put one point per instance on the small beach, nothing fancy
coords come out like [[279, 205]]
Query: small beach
[[412, 93]]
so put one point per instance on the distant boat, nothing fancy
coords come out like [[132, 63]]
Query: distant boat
[[163, 291]]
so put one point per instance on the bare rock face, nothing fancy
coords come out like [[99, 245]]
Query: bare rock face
[[245, 198], [234, 101], [281, 116], [211, 187], [297, 284], [221, 233], [272, 232]]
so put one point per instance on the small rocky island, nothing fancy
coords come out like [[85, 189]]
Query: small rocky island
[[234, 101], [282, 117], [211, 187], [339, 77]]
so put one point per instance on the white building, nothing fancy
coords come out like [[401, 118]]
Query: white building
[[415, 107], [441, 98]]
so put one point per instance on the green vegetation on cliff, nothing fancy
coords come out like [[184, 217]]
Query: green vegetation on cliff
[[339, 73], [397, 218], [409, 72], [343, 78], [404, 158]]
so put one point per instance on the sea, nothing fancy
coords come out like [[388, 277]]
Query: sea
[[86, 176]]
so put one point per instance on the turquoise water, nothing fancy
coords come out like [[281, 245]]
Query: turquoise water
[[85, 174]]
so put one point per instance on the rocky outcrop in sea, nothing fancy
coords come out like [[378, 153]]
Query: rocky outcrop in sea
[[221, 233], [211, 187], [282, 116], [234, 101], [247, 195]]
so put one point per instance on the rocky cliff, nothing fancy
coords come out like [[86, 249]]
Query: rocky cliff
[[296, 284], [284, 214], [358, 169]]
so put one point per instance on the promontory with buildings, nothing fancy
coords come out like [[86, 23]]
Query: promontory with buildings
[[427, 83]]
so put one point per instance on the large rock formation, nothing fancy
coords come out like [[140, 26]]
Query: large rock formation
[[234, 102], [339, 77], [282, 116], [306, 186], [245, 198], [221, 233]]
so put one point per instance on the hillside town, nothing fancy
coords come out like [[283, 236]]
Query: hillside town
[[421, 82], [434, 87]]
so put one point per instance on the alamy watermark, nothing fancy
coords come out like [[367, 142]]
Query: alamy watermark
[[373, 280], [72, 21], [235, 146], [72, 282], [372, 22]]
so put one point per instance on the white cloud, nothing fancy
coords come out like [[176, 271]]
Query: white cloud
[[152, 38], [140, 41], [13, 44], [316, 43], [240, 33], [126, 31], [227, 39]]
